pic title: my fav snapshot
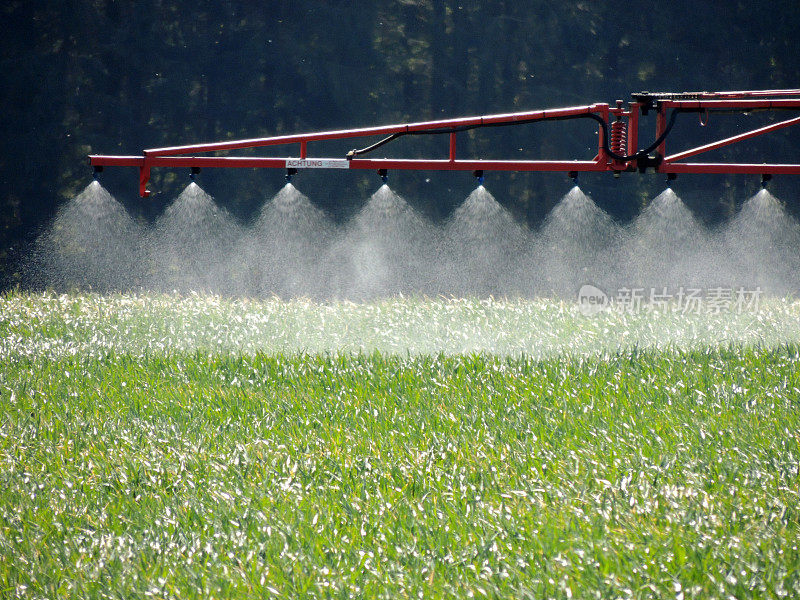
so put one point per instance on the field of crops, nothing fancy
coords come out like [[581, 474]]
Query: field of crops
[[162, 446]]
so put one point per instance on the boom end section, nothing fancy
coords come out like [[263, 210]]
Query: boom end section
[[98, 162]]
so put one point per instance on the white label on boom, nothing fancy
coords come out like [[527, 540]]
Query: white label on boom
[[317, 163]]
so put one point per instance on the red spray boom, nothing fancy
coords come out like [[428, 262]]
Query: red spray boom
[[618, 148]]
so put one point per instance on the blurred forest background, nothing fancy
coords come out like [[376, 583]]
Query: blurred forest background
[[112, 77]]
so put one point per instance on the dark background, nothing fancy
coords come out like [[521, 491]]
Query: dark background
[[112, 77]]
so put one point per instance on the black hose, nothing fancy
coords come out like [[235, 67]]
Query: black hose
[[606, 138], [375, 146], [648, 150]]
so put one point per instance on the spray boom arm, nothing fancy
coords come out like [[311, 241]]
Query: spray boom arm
[[618, 148]]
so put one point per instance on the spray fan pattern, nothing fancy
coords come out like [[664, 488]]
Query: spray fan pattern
[[292, 249]]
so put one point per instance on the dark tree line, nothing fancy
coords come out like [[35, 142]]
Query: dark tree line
[[114, 77]]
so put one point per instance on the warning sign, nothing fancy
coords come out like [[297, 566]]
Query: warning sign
[[317, 163]]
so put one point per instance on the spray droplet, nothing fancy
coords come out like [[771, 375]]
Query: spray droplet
[[572, 248], [91, 243], [482, 242], [191, 245], [762, 243], [280, 254], [385, 250]]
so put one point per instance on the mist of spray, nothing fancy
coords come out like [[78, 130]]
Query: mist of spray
[[281, 254], [482, 243], [574, 246], [191, 245], [387, 249], [292, 249], [666, 247], [92, 243], [762, 246]]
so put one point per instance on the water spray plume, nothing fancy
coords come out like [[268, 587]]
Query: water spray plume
[[481, 242], [292, 249], [384, 250], [572, 247], [92, 243], [762, 244], [191, 245], [666, 247], [281, 253]]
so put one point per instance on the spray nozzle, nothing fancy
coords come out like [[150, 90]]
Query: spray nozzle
[[765, 179], [96, 170], [671, 177], [194, 172], [290, 172], [574, 176], [384, 175], [478, 174]]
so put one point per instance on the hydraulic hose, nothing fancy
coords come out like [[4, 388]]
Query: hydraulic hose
[[645, 151], [603, 124]]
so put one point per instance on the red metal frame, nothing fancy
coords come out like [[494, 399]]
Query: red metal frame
[[670, 163], [700, 102]]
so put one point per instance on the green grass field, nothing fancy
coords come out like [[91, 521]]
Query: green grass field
[[157, 446]]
